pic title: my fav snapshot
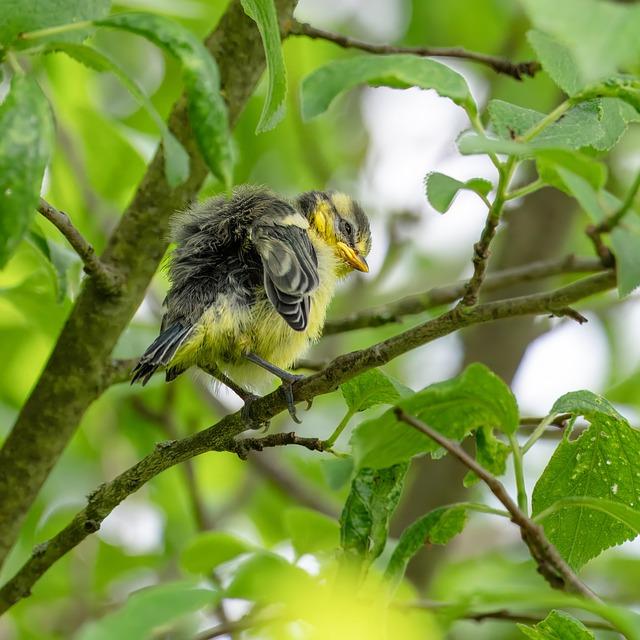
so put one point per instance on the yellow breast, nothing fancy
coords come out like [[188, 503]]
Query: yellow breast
[[226, 332]]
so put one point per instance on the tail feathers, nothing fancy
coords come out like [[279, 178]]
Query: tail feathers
[[159, 353]]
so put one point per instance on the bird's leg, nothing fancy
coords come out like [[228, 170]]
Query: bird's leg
[[241, 392], [286, 377]]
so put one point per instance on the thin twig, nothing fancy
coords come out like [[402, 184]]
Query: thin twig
[[222, 435], [594, 232], [105, 277], [516, 70], [500, 614], [550, 564], [438, 296], [244, 445]]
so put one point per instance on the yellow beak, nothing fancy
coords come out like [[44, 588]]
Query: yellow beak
[[352, 258]]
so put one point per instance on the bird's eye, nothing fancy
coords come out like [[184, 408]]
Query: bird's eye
[[348, 229]]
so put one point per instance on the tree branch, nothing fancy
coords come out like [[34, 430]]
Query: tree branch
[[550, 564], [221, 436], [438, 296], [499, 65], [106, 278], [79, 365]]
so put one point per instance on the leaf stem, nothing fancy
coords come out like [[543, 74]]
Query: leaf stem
[[518, 470], [482, 508], [537, 432], [532, 187], [330, 441], [52, 31], [549, 119], [14, 64]]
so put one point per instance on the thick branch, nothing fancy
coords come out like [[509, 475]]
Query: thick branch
[[221, 436], [105, 278], [438, 296], [80, 363], [516, 70], [550, 564]]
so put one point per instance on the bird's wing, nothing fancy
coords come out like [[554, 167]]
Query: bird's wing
[[290, 264]]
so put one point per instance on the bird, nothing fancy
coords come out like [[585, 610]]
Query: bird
[[251, 277]]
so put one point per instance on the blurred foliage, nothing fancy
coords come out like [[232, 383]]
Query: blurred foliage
[[266, 532]]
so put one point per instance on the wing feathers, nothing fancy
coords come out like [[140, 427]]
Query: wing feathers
[[290, 265]]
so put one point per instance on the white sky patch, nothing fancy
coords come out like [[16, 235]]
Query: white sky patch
[[568, 358], [136, 526]]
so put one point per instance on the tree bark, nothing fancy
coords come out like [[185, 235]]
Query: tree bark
[[76, 373]]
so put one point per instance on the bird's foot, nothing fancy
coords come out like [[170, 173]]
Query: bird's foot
[[287, 390], [250, 421], [288, 380]]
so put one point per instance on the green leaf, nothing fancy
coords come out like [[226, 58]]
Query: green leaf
[[19, 16], [441, 189], [311, 531], [584, 193], [364, 522], [263, 13], [207, 109], [26, 137], [601, 36], [557, 60], [266, 577], [616, 116], [558, 625], [579, 127], [60, 260], [399, 71], [617, 510], [337, 471], [372, 388], [147, 609], [437, 527], [601, 463], [626, 88], [625, 239], [208, 550], [476, 398], [491, 454], [548, 161], [176, 159]]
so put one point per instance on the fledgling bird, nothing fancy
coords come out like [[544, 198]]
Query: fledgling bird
[[251, 279]]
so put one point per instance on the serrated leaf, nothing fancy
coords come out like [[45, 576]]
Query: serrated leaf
[[616, 116], [311, 531], [557, 60], [601, 36], [442, 189], [621, 512], [491, 454], [19, 16], [364, 522], [476, 398], [625, 239], [579, 127], [149, 608], [558, 625], [370, 389], [263, 13], [399, 71], [26, 137], [600, 463], [436, 527], [209, 549], [176, 159], [207, 109]]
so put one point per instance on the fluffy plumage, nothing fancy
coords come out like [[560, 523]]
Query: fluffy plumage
[[253, 274]]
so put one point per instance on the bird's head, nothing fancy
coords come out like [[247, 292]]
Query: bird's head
[[342, 224]]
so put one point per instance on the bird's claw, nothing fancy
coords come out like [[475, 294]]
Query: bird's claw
[[287, 389], [248, 399]]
